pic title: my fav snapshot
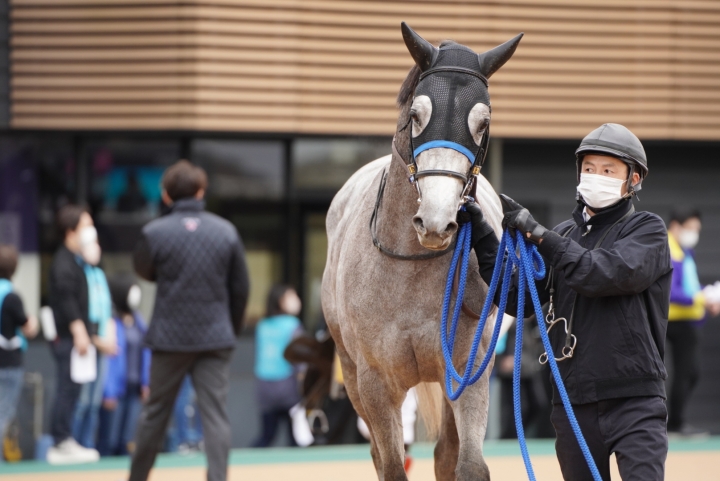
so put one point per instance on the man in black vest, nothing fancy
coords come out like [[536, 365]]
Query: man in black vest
[[611, 276], [197, 260]]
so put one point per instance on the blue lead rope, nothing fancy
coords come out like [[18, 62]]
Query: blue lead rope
[[525, 256]]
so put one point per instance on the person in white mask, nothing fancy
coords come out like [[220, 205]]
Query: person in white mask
[[689, 307], [609, 275]]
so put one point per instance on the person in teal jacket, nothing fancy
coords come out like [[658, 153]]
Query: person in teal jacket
[[277, 389]]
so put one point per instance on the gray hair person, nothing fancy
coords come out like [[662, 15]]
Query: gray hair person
[[198, 261]]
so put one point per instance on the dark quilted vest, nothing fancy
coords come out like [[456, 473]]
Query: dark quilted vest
[[192, 252]]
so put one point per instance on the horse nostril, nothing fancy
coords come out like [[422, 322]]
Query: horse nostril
[[418, 223], [451, 228]]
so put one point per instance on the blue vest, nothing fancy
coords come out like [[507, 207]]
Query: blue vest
[[272, 336]]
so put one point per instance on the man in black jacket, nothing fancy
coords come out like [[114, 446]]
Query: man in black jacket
[[197, 260], [610, 270], [69, 300]]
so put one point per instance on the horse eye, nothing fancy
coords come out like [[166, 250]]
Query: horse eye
[[414, 117], [483, 124]]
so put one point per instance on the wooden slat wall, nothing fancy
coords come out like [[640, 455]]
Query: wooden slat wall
[[335, 66]]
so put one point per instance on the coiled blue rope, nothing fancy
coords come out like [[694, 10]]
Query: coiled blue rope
[[525, 256]]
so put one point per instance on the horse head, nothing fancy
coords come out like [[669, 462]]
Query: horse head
[[450, 125]]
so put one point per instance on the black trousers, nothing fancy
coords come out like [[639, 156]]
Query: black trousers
[[683, 337], [531, 406], [210, 373], [271, 421], [66, 392], [632, 428]]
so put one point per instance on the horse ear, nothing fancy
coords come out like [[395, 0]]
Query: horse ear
[[491, 61], [422, 51]]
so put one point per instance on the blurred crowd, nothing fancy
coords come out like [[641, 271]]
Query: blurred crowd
[[124, 386]]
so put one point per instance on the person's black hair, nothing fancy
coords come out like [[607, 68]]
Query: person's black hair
[[120, 285], [68, 217], [273, 300], [8, 261], [183, 179], [683, 215]]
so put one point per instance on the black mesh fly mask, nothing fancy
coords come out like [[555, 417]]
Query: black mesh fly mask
[[454, 78], [453, 89]]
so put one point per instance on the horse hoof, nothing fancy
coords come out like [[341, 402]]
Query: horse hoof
[[472, 472]]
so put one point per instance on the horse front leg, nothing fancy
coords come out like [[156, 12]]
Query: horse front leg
[[382, 403], [351, 387], [448, 445], [471, 416]]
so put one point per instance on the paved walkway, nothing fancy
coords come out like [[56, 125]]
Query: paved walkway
[[688, 460]]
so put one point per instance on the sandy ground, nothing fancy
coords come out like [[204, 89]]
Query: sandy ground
[[681, 466]]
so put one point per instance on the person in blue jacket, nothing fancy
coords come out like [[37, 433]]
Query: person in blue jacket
[[277, 389], [128, 372]]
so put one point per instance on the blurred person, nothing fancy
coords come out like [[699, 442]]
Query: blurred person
[[532, 392], [276, 383], [688, 308], [15, 327], [87, 410], [197, 260], [128, 373], [609, 276], [80, 304], [185, 435]]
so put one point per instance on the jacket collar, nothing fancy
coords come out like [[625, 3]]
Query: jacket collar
[[605, 217], [188, 205]]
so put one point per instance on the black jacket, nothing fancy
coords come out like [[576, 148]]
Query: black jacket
[[68, 293], [623, 293], [197, 260]]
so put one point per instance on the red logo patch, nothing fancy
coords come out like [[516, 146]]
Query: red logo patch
[[191, 223]]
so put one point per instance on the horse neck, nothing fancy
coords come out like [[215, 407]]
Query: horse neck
[[399, 205]]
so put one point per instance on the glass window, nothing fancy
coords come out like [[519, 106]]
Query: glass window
[[125, 177], [325, 164], [316, 245], [241, 168], [261, 226]]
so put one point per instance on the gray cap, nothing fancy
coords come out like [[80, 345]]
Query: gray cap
[[617, 141]]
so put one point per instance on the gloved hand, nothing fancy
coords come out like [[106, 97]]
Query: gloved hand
[[474, 215], [518, 217], [483, 239]]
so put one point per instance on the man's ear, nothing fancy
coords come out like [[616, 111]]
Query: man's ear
[[200, 194], [635, 178], [166, 198]]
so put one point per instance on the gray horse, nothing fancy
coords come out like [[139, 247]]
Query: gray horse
[[383, 287]]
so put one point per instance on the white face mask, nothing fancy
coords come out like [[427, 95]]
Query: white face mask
[[134, 297], [688, 238], [291, 304], [600, 191], [89, 247]]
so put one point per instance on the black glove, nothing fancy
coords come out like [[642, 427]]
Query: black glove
[[518, 217], [484, 244], [474, 215]]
